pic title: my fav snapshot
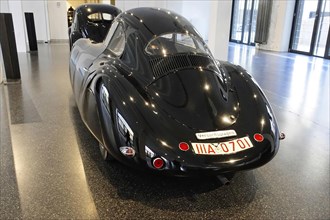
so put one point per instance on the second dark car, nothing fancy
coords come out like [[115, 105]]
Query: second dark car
[[92, 21]]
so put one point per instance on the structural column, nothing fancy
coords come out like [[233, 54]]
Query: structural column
[[219, 28], [280, 26], [31, 31], [8, 47]]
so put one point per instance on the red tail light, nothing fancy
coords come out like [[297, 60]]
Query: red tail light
[[184, 146], [258, 137], [158, 163]]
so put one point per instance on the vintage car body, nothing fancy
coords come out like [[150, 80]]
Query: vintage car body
[[154, 103], [92, 21]]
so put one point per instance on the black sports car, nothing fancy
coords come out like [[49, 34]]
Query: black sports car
[[92, 21], [155, 98]]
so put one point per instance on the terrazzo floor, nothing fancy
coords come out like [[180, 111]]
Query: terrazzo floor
[[51, 167]]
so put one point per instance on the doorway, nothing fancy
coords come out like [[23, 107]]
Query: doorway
[[310, 29], [243, 21]]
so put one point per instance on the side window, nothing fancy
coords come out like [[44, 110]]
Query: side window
[[130, 54], [107, 17], [111, 31], [75, 22], [117, 42], [95, 17]]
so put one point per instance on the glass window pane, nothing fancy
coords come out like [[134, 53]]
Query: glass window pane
[[95, 17], [244, 21], [111, 31], [174, 43], [254, 21], [237, 24], [185, 40], [247, 22], [323, 29], [117, 42], [305, 17], [107, 17]]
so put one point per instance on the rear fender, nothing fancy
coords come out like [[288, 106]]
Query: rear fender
[[89, 112], [75, 35], [106, 114]]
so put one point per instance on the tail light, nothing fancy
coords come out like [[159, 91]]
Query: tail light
[[158, 163], [258, 137]]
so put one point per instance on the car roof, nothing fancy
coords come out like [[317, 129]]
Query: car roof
[[153, 22], [88, 9]]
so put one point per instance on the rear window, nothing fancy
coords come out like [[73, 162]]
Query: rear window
[[98, 17], [174, 43]]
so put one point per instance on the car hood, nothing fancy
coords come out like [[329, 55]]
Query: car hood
[[196, 99]]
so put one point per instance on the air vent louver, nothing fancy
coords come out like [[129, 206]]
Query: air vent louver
[[199, 60], [163, 65]]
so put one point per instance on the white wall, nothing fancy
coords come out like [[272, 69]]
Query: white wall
[[50, 19], [195, 11], [4, 7], [198, 13], [58, 24], [174, 5], [153, 4], [15, 8], [37, 7], [280, 26], [219, 28], [125, 5], [105, 2]]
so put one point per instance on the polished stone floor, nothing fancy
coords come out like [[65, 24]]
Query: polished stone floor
[[51, 167]]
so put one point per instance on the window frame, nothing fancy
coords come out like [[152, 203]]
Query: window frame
[[110, 37], [199, 44]]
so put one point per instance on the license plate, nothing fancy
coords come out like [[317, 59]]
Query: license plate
[[222, 148]]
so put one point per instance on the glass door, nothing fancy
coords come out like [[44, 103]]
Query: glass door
[[243, 22], [254, 21], [323, 33], [237, 20], [310, 31]]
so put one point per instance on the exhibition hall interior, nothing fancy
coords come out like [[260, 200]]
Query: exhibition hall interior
[[164, 109]]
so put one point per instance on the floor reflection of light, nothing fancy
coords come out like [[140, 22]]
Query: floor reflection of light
[[39, 169], [302, 108], [305, 84], [298, 83], [237, 55], [243, 55], [313, 88], [305, 93]]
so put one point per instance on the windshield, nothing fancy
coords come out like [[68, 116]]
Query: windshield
[[174, 43]]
